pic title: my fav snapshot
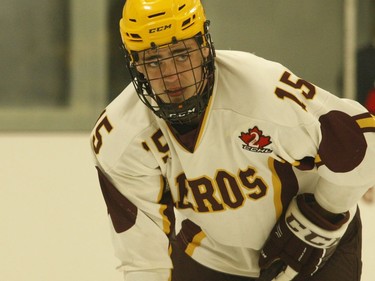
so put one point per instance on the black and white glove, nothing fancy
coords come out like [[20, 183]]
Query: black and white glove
[[301, 241]]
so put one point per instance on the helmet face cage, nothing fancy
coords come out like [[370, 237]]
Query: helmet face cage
[[147, 72]]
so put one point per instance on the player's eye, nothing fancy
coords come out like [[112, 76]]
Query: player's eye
[[182, 57], [152, 64]]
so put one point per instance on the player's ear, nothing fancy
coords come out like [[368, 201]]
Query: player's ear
[[205, 51], [135, 58], [140, 68]]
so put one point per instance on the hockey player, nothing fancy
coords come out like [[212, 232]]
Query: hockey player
[[226, 166]]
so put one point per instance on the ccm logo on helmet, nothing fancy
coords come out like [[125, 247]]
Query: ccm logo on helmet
[[161, 28]]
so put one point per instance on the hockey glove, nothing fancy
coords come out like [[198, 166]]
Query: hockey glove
[[302, 239]]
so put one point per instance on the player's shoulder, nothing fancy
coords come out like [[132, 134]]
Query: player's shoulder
[[248, 86], [122, 122], [248, 73], [240, 60]]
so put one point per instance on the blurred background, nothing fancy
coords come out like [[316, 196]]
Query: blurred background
[[61, 64]]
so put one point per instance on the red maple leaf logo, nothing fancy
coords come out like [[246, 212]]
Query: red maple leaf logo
[[255, 138]]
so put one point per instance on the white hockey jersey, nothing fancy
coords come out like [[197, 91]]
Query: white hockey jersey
[[266, 136]]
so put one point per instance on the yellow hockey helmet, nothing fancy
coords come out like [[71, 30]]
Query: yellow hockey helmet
[[149, 23]]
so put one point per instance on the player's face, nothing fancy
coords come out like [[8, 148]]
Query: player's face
[[175, 70]]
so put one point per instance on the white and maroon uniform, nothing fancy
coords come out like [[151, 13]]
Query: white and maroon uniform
[[266, 135]]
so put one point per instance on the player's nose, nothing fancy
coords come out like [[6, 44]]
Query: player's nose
[[170, 72]]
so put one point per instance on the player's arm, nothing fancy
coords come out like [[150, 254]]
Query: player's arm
[[130, 157], [139, 234], [340, 136]]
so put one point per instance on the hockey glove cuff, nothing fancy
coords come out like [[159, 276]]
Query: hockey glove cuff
[[303, 239]]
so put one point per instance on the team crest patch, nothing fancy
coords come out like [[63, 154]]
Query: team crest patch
[[255, 141]]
